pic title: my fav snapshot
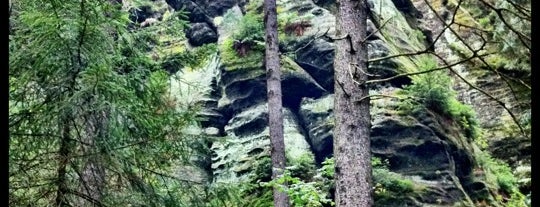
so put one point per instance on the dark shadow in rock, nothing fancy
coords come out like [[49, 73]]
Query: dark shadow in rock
[[201, 33], [317, 59], [140, 14]]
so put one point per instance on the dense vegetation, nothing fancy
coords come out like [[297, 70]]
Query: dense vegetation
[[94, 120], [91, 118]]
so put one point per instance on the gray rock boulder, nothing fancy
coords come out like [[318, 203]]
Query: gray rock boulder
[[201, 33]]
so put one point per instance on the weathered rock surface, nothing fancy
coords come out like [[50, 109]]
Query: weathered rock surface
[[243, 88], [318, 118], [425, 147], [421, 148], [248, 140], [201, 33]]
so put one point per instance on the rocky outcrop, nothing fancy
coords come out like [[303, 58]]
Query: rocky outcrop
[[384, 68], [247, 141], [313, 53], [418, 151], [201, 33], [318, 119], [246, 87], [148, 14], [425, 147], [514, 150], [202, 8]]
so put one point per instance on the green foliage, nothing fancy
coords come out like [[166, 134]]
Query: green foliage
[[246, 193], [389, 184], [250, 28], [517, 200], [245, 47], [232, 59], [263, 170], [302, 167], [510, 49], [434, 91], [498, 173], [466, 117], [327, 169], [240, 194], [192, 59], [379, 163], [287, 22], [390, 188], [83, 90], [301, 193], [500, 178]]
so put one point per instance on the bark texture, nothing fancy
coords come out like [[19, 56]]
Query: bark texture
[[275, 114], [63, 158], [351, 106], [92, 180]]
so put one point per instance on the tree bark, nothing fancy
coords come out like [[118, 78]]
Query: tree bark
[[92, 180], [275, 114], [63, 158], [352, 119]]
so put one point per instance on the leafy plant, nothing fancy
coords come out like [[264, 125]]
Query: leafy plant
[[434, 91], [88, 103], [301, 193], [245, 47], [500, 178], [302, 167]]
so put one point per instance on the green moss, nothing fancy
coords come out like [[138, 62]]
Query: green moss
[[173, 60], [233, 61], [245, 47]]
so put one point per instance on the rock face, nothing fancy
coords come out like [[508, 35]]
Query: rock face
[[248, 141], [243, 88], [201, 33], [202, 8], [319, 121], [424, 147], [418, 148], [201, 14]]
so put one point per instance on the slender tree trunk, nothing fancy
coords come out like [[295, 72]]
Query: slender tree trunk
[[92, 178], [275, 115], [352, 119], [64, 153]]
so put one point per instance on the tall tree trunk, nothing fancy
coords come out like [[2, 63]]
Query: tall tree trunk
[[92, 178], [275, 115], [352, 119], [64, 153]]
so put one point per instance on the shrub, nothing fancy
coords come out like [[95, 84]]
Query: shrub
[[301, 193], [302, 167], [434, 91], [250, 28], [245, 47], [498, 174]]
